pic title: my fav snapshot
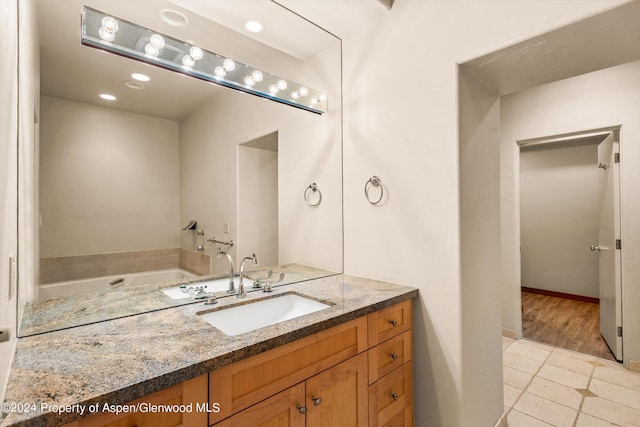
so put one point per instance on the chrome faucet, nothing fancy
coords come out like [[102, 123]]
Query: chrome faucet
[[232, 288], [241, 291]]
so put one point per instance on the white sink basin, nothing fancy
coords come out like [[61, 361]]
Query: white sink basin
[[248, 317], [217, 285]]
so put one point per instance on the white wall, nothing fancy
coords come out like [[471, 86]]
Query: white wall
[[401, 113], [8, 181], [591, 101], [258, 203], [109, 180], [560, 203]]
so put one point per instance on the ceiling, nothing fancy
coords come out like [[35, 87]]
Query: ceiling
[[72, 71], [604, 40]]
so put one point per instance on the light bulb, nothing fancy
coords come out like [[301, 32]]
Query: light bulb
[[253, 26], [295, 94], [106, 35], [323, 97], [315, 101], [107, 97], [156, 41], [273, 89], [140, 77], [109, 24], [257, 76], [196, 53], [219, 72], [281, 84], [229, 65], [188, 61], [150, 50], [303, 91], [249, 81]]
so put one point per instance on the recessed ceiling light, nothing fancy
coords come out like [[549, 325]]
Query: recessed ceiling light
[[140, 77], [173, 17], [134, 85], [107, 97], [253, 26]]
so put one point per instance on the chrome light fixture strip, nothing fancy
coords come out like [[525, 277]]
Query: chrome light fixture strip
[[121, 37]]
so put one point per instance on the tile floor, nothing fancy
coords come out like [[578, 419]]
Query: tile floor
[[551, 386]]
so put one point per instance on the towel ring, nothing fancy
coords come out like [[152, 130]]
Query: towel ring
[[374, 181], [312, 188]]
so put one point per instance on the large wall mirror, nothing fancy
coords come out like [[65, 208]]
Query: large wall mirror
[[120, 180]]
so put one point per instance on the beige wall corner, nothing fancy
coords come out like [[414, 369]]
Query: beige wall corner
[[509, 333]]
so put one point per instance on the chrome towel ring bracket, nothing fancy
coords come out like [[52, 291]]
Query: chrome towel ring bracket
[[374, 181], [309, 192]]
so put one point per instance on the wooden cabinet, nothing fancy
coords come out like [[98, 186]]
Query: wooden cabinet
[[351, 388], [356, 374], [391, 367], [334, 397], [244, 383], [192, 394]]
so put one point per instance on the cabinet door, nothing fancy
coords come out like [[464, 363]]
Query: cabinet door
[[285, 409], [338, 396]]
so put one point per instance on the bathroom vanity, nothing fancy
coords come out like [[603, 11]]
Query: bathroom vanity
[[348, 364]]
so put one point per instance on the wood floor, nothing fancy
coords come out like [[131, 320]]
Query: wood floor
[[562, 322]]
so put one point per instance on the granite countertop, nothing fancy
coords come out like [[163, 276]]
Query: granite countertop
[[124, 359]]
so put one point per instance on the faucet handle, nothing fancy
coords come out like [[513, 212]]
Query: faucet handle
[[267, 287], [257, 282]]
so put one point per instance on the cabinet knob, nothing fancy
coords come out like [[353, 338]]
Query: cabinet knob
[[394, 356], [393, 322], [316, 400], [302, 409], [394, 396]]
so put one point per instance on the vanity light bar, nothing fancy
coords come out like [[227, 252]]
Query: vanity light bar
[[115, 35]]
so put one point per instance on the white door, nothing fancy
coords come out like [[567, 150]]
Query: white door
[[609, 256]]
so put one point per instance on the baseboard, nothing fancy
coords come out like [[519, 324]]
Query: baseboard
[[502, 421], [561, 295], [509, 333], [634, 366]]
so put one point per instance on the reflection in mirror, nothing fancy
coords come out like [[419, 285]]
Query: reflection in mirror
[[118, 36], [120, 179]]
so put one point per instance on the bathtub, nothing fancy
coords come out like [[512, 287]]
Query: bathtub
[[51, 290]]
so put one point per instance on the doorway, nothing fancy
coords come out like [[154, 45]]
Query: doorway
[[569, 223]]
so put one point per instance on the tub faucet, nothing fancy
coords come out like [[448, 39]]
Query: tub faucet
[[241, 291], [232, 288]]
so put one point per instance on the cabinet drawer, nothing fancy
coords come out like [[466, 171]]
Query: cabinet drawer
[[241, 384], [389, 355], [390, 395], [389, 322], [403, 418]]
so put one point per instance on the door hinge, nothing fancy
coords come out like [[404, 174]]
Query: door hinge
[[618, 244], [619, 331], [616, 158]]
